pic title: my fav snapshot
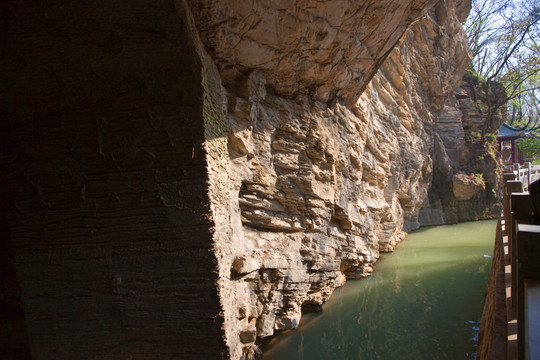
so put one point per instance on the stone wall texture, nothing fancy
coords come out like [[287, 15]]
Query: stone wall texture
[[321, 48], [105, 181], [493, 332]]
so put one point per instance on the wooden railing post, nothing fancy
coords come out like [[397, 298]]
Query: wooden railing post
[[528, 268], [521, 213], [511, 186], [509, 175], [524, 256], [529, 169]]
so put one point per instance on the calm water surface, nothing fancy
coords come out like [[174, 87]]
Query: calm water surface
[[424, 301]]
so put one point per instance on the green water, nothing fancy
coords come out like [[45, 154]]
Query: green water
[[424, 301]]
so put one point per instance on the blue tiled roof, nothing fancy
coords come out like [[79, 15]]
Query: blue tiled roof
[[507, 132]]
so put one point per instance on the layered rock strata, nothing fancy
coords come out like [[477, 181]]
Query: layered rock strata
[[326, 49], [318, 187], [466, 182]]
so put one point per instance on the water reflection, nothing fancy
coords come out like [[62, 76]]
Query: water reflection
[[424, 301]]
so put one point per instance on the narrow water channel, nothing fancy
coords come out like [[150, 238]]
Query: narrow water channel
[[424, 301]]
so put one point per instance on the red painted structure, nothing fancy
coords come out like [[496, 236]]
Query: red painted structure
[[508, 149]]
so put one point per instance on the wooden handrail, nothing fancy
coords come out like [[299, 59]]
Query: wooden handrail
[[528, 271], [524, 251], [521, 213], [526, 173]]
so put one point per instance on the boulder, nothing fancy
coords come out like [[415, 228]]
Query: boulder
[[465, 186]]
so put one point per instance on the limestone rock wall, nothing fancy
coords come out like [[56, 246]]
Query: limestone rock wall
[[319, 187], [466, 182], [321, 48]]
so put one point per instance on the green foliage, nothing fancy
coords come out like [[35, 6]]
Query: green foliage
[[503, 36], [491, 138], [472, 76], [476, 134], [478, 178], [530, 147]]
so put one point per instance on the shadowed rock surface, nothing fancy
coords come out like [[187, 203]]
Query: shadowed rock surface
[[105, 180]]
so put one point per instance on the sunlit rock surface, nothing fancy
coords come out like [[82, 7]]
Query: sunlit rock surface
[[321, 181], [322, 48], [466, 186]]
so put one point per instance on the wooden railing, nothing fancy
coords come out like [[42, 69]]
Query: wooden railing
[[526, 173], [524, 253]]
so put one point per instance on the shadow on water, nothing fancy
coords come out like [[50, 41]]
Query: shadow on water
[[424, 301]]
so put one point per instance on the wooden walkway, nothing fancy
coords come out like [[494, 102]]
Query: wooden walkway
[[526, 174], [522, 264], [510, 326]]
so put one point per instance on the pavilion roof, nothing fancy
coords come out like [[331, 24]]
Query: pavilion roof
[[507, 132]]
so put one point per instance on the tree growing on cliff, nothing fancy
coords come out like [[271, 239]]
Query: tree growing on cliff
[[503, 36]]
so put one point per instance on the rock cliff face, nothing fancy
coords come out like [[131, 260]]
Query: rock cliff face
[[466, 179], [322, 183], [322, 48], [191, 176]]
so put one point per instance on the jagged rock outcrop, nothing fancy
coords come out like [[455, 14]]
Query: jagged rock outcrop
[[318, 189], [464, 186], [460, 152], [324, 49]]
